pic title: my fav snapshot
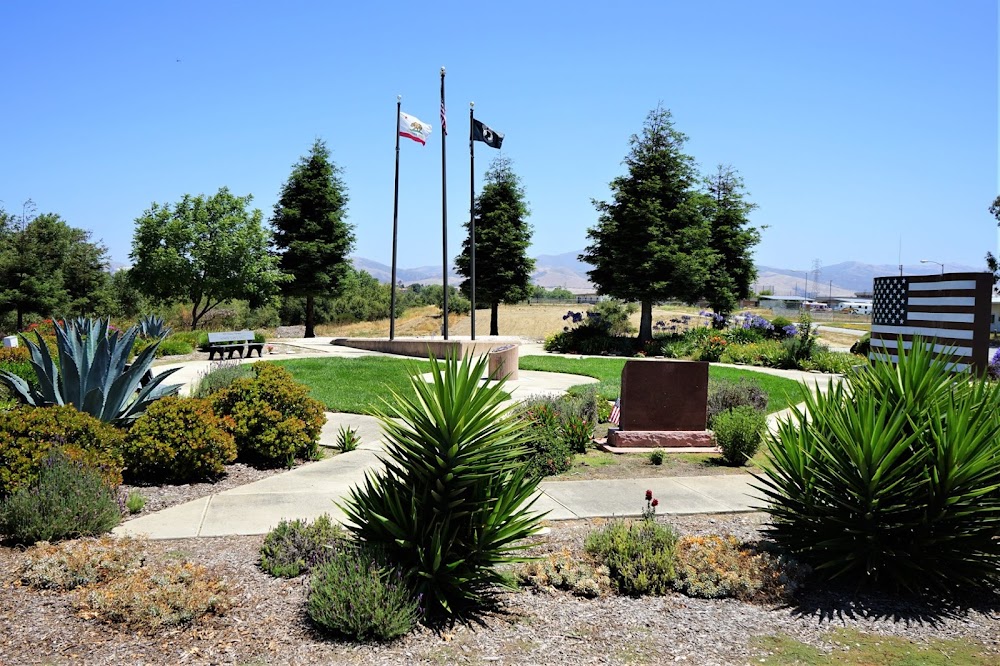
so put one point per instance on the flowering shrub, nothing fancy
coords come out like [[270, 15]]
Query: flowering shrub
[[712, 349], [994, 367]]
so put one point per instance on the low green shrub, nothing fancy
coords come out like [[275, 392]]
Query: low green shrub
[[356, 594], [563, 571], [17, 361], [743, 336], [767, 353], [272, 416], [68, 500], [547, 453], [295, 547], [863, 346], [780, 328], [29, 434], [576, 431], [738, 433], [724, 395], [219, 376], [639, 555], [173, 346], [86, 561], [833, 362], [656, 457], [714, 566], [178, 440]]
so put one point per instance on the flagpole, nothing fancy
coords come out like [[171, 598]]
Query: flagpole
[[395, 227], [472, 219], [444, 215]]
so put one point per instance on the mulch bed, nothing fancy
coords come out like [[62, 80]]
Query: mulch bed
[[268, 624]]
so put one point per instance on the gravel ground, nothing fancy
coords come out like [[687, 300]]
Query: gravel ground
[[268, 624]]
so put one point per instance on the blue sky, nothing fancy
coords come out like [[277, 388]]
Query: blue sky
[[857, 126]]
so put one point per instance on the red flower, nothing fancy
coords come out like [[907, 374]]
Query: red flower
[[655, 503], [649, 495]]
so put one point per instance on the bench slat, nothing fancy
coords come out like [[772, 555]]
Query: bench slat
[[231, 336]]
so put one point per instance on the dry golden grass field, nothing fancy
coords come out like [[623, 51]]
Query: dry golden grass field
[[530, 322]]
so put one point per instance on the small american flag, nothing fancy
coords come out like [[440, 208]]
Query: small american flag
[[444, 121], [616, 412], [953, 309]]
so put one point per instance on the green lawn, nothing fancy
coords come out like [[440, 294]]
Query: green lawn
[[781, 392], [855, 648], [355, 385]]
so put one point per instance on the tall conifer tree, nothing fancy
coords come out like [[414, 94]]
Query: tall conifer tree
[[311, 232], [503, 268]]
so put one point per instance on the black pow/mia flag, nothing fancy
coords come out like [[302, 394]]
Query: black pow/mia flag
[[481, 132]]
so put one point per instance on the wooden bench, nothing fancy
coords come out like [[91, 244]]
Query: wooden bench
[[233, 341]]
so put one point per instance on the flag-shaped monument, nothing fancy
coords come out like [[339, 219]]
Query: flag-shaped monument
[[951, 311]]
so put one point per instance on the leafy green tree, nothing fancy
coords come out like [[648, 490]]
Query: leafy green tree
[[992, 264], [48, 267], [205, 251], [652, 241], [503, 268], [310, 229], [733, 271]]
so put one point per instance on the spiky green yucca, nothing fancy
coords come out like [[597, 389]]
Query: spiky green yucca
[[454, 498], [893, 478]]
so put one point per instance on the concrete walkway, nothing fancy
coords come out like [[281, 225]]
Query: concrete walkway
[[316, 488]]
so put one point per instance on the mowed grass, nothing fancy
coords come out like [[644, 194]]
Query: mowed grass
[[781, 392], [356, 385], [854, 648]]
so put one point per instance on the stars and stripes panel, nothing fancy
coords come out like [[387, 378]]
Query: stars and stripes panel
[[951, 310]]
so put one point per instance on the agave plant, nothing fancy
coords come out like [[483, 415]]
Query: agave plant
[[894, 478], [153, 327], [93, 373], [453, 499]]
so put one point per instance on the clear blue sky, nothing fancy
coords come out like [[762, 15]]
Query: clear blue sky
[[853, 124]]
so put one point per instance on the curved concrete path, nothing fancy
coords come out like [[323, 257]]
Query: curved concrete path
[[316, 488]]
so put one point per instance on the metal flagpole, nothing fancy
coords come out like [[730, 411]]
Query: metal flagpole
[[472, 219], [444, 215], [395, 226]]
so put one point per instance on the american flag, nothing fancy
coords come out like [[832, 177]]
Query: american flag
[[953, 309], [444, 121], [616, 412]]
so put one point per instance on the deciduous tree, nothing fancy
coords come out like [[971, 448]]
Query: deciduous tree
[[204, 250], [311, 232], [503, 267]]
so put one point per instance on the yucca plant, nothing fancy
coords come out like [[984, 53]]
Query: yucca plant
[[153, 327], [454, 498], [892, 478], [93, 373]]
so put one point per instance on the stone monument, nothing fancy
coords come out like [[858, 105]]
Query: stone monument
[[664, 404]]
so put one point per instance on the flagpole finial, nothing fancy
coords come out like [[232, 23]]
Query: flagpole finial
[[399, 98], [472, 104], [442, 71]]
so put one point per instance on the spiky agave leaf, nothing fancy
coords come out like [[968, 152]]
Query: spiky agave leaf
[[454, 497]]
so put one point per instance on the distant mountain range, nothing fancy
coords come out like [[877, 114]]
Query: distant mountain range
[[565, 270]]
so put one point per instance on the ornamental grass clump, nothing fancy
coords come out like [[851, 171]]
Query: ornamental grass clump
[[454, 498], [892, 477]]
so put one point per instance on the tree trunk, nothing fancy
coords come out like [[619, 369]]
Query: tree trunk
[[310, 316], [494, 323], [646, 322], [195, 317]]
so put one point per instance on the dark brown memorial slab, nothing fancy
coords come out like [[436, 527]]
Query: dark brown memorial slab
[[664, 395]]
